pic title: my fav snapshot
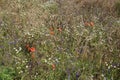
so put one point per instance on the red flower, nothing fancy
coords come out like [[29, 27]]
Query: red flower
[[53, 66], [32, 49], [51, 29], [91, 24], [52, 32]]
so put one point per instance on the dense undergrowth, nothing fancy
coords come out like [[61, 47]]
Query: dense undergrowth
[[59, 40]]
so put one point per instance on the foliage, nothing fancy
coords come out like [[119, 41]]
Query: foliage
[[7, 73]]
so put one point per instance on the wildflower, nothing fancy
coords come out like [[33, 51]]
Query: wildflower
[[32, 49], [51, 29], [53, 66], [27, 66], [52, 32], [91, 24]]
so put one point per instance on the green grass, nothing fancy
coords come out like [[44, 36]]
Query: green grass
[[78, 52]]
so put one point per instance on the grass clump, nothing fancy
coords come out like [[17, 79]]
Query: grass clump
[[7, 73]]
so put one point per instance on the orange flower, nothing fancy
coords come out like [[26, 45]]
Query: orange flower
[[52, 32], [27, 47], [53, 66], [32, 49], [51, 29], [91, 24]]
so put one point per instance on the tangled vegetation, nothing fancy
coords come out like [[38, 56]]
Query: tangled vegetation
[[59, 40]]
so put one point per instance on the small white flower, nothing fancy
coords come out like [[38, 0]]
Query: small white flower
[[105, 62], [27, 66], [35, 76], [21, 71], [102, 75], [32, 35], [49, 58], [18, 72], [111, 65], [108, 67], [17, 67], [56, 60], [20, 48], [114, 66], [17, 62], [36, 73], [45, 60], [23, 61]]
